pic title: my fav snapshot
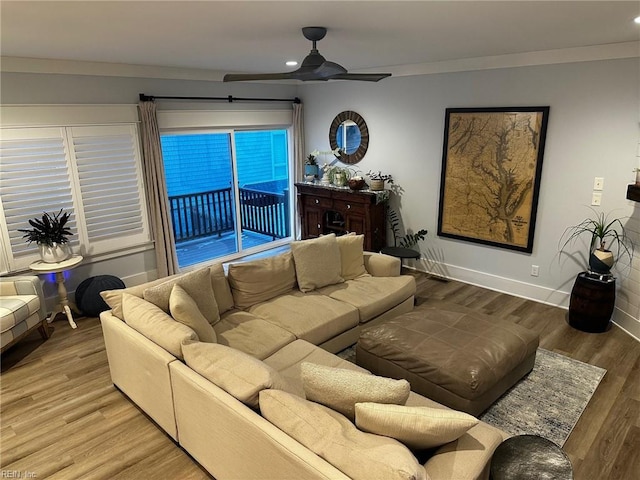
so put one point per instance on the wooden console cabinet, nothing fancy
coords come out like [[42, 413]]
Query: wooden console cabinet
[[325, 210]]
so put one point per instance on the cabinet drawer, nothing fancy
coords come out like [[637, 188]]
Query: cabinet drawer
[[318, 202], [348, 207]]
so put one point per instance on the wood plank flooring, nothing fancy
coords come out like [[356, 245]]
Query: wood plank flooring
[[61, 418]]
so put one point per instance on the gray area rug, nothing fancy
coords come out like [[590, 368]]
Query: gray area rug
[[547, 402]]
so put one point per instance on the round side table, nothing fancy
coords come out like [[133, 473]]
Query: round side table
[[530, 457], [65, 306]]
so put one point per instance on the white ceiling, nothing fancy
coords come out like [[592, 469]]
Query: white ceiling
[[260, 36]]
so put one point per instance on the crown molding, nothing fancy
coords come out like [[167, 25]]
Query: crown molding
[[546, 57]]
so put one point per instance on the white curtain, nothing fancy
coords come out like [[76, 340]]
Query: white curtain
[[157, 198], [299, 155]]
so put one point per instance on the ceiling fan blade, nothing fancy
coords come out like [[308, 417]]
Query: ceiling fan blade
[[329, 70], [246, 77], [364, 77]]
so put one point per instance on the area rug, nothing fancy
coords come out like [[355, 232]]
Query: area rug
[[547, 402]]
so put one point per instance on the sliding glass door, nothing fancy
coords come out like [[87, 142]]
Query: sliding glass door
[[228, 191]]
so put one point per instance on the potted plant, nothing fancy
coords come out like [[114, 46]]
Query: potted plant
[[311, 167], [378, 179], [605, 234], [51, 235]]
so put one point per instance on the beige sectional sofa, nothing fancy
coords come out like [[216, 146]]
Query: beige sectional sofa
[[281, 312]]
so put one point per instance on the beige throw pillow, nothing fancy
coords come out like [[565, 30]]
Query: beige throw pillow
[[352, 255], [261, 280], [340, 389], [156, 325], [416, 427], [317, 262], [184, 309], [221, 290], [237, 373], [197, 284], [359, 455]]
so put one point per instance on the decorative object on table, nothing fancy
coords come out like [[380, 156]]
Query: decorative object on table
[[311, 168], [530, 457], [491, 169], [604, 232], [51, 235], [339, 175], [349, 133], [377, 180], [88, 298], [356, 183]]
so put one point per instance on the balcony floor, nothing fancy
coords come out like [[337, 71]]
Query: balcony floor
[[205, 249]]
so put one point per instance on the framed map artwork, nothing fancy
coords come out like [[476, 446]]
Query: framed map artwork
[[491, 167]]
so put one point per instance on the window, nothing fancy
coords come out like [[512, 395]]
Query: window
[[220, 183], [91, 171]]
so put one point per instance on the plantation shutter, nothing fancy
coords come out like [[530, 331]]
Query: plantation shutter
[[34, 177], [93, 172], [111, 185]]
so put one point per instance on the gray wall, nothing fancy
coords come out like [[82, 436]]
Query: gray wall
[[592, 132]]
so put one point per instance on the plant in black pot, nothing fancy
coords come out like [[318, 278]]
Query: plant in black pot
[[51, 234], [606, 235]]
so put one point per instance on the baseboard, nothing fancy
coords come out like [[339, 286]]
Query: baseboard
[[627, 323], [509, 286]]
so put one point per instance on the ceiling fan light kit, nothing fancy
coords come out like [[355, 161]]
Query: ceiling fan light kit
[[314, 67]]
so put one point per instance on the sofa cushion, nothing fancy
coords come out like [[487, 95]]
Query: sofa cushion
[[152, 322], [237, 373], [287, 361], [317, 262], [351, 255], [416, 427], [341, 389], [185, 310], [197, 284], [373, 296], [250, 334], [310, 316], [260, 280], [221, 289], [360, 455], [17, 308]]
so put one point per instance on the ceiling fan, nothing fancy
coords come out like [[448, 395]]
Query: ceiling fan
[[314, 67]]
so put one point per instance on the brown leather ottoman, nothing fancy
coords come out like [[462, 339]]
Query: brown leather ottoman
[[455, 356]]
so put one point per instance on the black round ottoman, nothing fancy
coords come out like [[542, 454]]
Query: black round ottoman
[[525, 457], [88, 299]]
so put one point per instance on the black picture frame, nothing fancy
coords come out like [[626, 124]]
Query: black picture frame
[[491, 170]]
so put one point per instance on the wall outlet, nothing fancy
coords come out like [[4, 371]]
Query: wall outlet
[[596, 198], [535, 270], [598, 184]]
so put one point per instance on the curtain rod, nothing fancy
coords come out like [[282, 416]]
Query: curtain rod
[[229, 98]]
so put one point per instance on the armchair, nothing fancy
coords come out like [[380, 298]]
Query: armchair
[[22, 309]]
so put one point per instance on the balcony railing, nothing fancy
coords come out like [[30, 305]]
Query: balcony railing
[[211, 213]]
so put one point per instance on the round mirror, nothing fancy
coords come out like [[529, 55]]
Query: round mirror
[[350, 134]]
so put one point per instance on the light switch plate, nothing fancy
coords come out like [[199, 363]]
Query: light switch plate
[[596, 198], [598, 183]]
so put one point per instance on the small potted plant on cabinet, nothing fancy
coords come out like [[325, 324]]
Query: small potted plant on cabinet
[[51, 235], [311, 168], [378, 179]]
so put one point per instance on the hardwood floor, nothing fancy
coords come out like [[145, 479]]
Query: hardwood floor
[[61, 417]]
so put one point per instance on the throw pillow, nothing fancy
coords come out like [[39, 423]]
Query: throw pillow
[[352, 255], [240, 375], [416, 427], [221, 290], [340, 389], [359, 455], [261, 280], [317, 262], [197, 284], [184, 309], [155, 324]]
